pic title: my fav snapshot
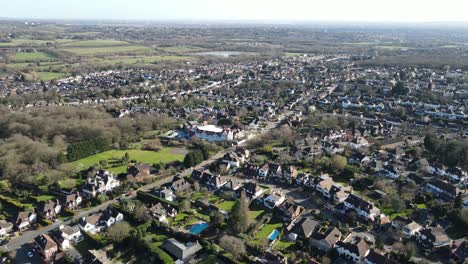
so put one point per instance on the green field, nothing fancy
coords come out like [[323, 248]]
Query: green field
[[47, 76], [32, 42], [266, 230], [144, 60], [293, 54], [32, 56], [93, 43], [44, 198], [111, 156], [226, 205], [90, 51], [179, 49]]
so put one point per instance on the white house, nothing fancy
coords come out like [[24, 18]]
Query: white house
[[103, 182], [276, 198]]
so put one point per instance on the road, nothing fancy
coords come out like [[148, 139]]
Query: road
[[27, 236]]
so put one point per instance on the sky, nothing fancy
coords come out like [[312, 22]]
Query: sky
[[243, 10]]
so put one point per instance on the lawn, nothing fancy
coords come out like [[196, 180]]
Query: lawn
[[255, 214], [282, 245], [293, 54], [112, 156], [47, 76], [226, 205], [142, 60], [90, 51], [179, 49], [266, 230], [31, 42], [32, 56], [94, 43], [44, 198]]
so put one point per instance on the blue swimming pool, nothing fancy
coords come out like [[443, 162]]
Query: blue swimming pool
[[198, 228], [274, 234]]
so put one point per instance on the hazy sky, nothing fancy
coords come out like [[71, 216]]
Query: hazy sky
[[286, 10]]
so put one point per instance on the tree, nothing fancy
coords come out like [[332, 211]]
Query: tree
[[126, 158], [119, 232], [338, 163], [400, 89], [141, 213], [196, 186], [233, 245], [431, 143], [217, 219], [103, 163], [189, 160], [185, 205], [239, 215]]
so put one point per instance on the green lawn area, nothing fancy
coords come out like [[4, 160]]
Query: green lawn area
[[142, 60], [255, 214], [31, 42], [421, 206], [282, 245], [93, 43], [266, 230], [90, 51], [47, 76], [150, 157], [293, 54], [179, 49], [44, 198], [392, 214], [226, 205], [32, 56]]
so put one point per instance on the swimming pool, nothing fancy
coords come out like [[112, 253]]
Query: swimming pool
[[198, 228], [274, 234]]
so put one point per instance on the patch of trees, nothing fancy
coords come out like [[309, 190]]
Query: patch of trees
[[400, 89], [196, 156], [239, 220], [452, 152], [76, 151]]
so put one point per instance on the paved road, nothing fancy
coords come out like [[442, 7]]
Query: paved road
[[26, 237]]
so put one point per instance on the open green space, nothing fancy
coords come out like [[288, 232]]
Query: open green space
[[293, 54], [226, 205], [255, 214], [44, 198], [32, 56], [266, 230], [93, 43], [91, 51], [47, 76], [179, 49], [32, 42], [143, 60], [112, 156]]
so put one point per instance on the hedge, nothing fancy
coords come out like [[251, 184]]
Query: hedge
[[149, 198], [161, 254], [14, 203]]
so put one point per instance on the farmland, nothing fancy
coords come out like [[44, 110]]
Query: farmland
[[32, 56]]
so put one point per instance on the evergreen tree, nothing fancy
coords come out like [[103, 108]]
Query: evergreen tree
[[239, 215]]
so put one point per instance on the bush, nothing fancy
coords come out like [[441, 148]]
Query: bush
[[160, 254]]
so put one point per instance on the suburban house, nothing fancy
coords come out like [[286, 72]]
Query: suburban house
[[71, 233], [71, 201], [363, 208], [5, 228], [252, 190], [49, 210], [375, 258], [273, 200], [140, 171], [264, 170], [179, 184], [91, 223], [166, 194], [411, 229], [25, 219], [325, 240], [433, 237], [303, 228], [355, 250], [46, 247], [442, 189], [101, 183], [289, 210], [181, 251], [161, 211]]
